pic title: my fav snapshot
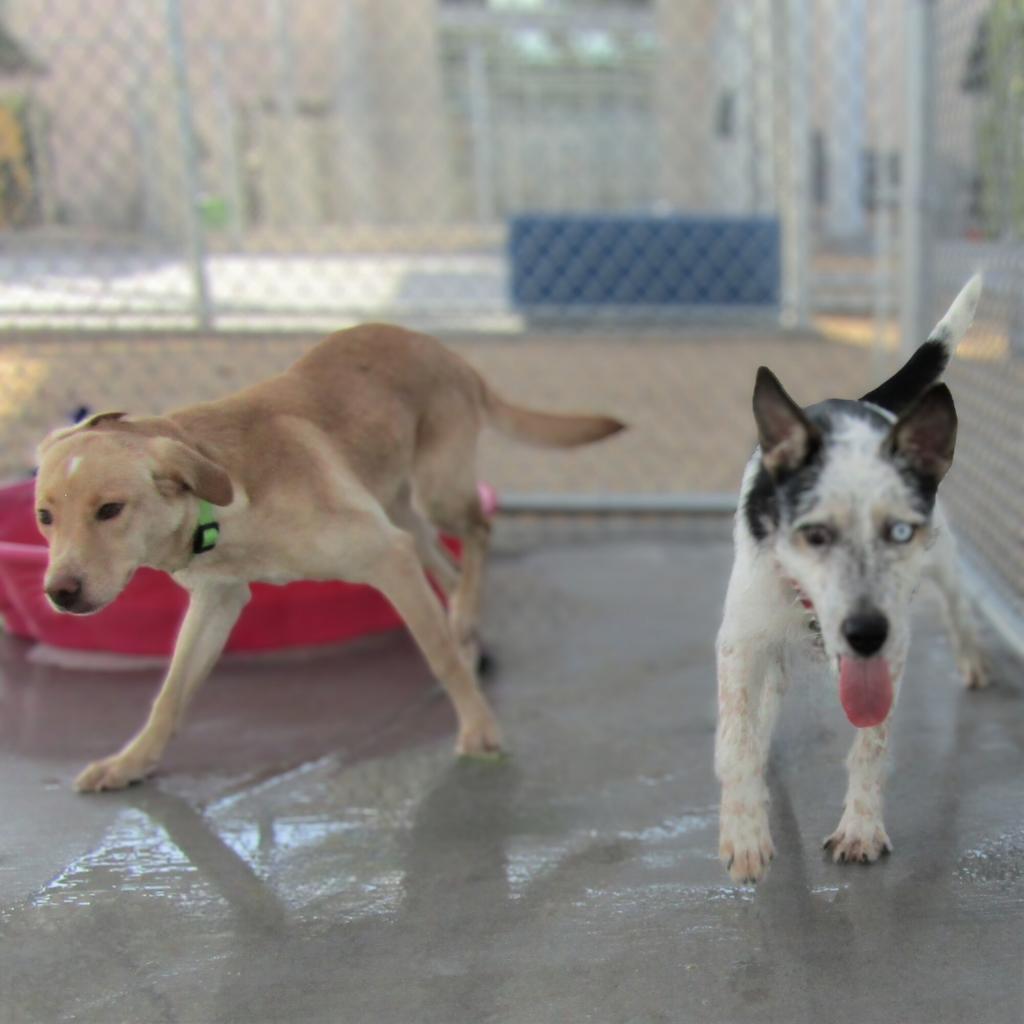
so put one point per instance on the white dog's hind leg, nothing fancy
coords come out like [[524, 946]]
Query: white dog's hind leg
[[943, 567], [861, 835], [750, 683]]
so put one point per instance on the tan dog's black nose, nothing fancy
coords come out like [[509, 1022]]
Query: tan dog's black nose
[[65, 593]]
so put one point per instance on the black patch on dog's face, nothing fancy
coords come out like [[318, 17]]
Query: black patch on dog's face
[[923, 487], [770, 501], [761, 507]]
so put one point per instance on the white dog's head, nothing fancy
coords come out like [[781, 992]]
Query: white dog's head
[[845, 492], [113, 495]]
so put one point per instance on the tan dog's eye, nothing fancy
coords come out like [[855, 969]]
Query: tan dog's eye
[[111, 510], [45, 517]]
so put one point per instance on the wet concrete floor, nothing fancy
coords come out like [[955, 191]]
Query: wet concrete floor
[[312, 852]]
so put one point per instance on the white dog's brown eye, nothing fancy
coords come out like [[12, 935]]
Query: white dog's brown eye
[[111, 510], [900, 532], [817, 535], [45, 517]]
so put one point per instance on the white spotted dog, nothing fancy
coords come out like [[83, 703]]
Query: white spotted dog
[[837, 525]]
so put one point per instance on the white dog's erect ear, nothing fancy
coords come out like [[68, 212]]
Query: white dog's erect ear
[[926, 435], [786, 435], [184, 467]]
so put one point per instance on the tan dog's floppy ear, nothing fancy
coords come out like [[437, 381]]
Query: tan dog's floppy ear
[[61, 432], [183, 467], [786, 435], [99, 418], [926, 435]]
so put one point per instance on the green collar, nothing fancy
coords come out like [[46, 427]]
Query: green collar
[[207, 530]]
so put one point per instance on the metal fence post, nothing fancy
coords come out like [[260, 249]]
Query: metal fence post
[[477, 87], [914, 162], [286, 109], [796, 224], [226, 124], [846, 135], [883, 235], [195, 235]]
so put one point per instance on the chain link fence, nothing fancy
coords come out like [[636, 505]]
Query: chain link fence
[[619, 204], [179, 164], [974, 190]]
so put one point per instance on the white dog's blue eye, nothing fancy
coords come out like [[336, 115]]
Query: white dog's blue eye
[[901, 533]]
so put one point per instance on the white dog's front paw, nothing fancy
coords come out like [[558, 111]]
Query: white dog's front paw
[[859, 839], [745, 843]]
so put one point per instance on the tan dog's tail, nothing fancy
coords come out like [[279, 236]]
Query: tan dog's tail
[[548, 429]]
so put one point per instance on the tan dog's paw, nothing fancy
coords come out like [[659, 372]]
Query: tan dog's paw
[[480, 738], [745, 845], [114, 772], [860, 840], [975, 673]]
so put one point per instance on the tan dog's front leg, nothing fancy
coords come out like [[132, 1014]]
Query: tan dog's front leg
[[212, 612], [399, 577]]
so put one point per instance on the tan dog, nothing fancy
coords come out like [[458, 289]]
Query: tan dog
[[343, 467]]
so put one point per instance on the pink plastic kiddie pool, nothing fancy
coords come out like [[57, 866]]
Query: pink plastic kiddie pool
[[144, 620]]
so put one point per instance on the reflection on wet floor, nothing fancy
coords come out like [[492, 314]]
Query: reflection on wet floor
[[312, 851], [335, 859]]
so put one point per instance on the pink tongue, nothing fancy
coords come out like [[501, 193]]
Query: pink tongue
[[865, 688]]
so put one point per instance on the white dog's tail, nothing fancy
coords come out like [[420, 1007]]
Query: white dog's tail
[[929, 362]]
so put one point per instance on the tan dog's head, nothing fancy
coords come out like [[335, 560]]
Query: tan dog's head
[[113, 495]]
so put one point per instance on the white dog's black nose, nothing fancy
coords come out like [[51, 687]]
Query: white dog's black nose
[[865, 632], [66, 593]]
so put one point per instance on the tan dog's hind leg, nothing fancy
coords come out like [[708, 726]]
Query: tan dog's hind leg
[[397, 573], [212, 612], [464, 612], [454, 506], [433, 554]]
